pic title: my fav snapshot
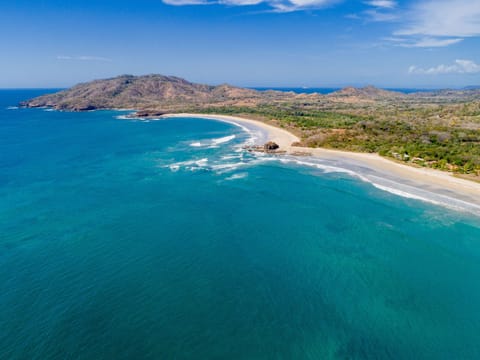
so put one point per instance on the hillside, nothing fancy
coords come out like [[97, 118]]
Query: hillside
[[366, 93], [141, 92]]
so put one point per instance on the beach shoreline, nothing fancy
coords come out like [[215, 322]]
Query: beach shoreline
[[424, 180]]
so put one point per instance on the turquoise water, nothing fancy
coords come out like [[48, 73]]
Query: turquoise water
[[124, 239]]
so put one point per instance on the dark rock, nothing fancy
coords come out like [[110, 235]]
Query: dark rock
[[270, 146], [148, 113], [84, 108]]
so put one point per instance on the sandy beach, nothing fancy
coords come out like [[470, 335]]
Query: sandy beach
[[421, 183]]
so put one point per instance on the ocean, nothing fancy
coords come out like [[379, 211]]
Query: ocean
[[134, 239]]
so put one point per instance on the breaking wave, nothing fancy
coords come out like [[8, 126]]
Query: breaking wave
[[213, 143], [223, 140], [242, 175]]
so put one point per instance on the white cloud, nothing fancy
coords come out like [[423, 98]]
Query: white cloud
[[458, 67], [83, 58], [185, 2], [377, 16], [378, 11], [455, 18], [277, 5], [386, 4], [241, 2], [425, 42], [435, 42], [440, 23]]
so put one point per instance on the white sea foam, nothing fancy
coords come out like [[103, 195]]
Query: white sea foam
[[404, 194], [189, 164], [213, 143], [237, 176], [48, 109], [325, 168], [254, 134], [230, 157], [12, 108], [201, 162], [223, 140], [229, 167]]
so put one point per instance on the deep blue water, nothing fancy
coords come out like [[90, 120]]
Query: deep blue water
[[124, 239]]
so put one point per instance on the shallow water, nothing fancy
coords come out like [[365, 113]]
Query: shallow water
[[120, 239]]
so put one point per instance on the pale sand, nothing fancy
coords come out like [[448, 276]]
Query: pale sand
[[431, 180]]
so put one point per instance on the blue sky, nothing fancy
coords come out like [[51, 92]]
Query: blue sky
[[315, 43]]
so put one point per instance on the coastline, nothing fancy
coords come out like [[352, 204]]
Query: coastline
[[421, 183], [280, 136]]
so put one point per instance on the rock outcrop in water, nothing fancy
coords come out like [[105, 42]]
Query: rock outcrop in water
[[271, 146]]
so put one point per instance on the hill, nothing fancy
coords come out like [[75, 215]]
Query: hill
[[367, 92], [141, 92]]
